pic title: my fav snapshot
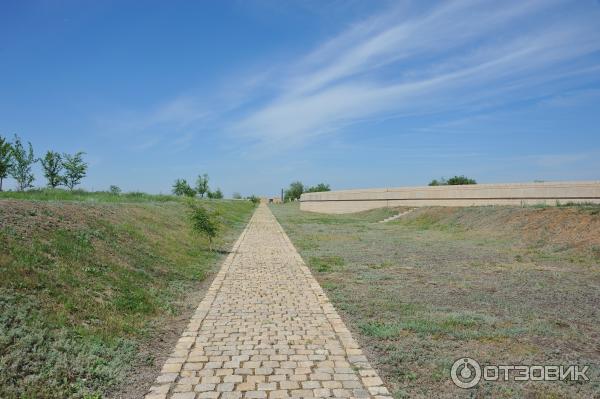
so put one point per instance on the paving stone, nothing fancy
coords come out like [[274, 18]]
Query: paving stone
[[289, 385], [225, 387], [372, 381], [322, 393], [183, 388], [255, 394], [160, 388], [204, 387], [230, 395], [265, 329], [278, 394], [186, 395], [266, 386]]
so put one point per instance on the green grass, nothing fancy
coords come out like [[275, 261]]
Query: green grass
[[325, 263], [504, 285], [87, 280]]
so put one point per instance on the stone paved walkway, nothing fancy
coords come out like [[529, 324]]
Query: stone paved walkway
[[266, 330]]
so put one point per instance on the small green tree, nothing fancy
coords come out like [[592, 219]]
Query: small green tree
[[114, 190], [75, 169], [181, 187], [294, 191], [202, 185], [205, 222], [236, 195], [20, 168], [318, 188], [6, 159], [52, 165], [218, 194]]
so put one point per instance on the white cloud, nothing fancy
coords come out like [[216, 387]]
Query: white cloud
[[171, 124], [464, 56], [450, 57]]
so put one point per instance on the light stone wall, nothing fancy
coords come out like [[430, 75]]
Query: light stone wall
[[348, 201]]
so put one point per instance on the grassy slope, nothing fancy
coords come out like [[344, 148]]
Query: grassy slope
[[85, 284], [503, 285]]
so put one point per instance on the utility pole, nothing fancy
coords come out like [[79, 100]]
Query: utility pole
[[282, 195]]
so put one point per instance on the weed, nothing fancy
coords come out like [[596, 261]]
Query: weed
[[326, 263]]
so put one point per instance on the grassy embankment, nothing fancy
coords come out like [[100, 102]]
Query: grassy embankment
[[87, 282], [503, 285]]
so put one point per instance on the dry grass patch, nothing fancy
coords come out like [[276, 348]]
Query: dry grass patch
[[503, 285]]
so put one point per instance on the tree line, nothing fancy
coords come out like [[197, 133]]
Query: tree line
[[296, 189], [182, 188], [17, 160], [453, 181]]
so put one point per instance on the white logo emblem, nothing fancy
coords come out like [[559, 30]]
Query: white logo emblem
[[465, 373]]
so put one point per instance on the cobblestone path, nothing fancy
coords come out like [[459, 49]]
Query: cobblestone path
[[266, 330]]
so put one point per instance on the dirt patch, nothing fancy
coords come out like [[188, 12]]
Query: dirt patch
[[29, 219]]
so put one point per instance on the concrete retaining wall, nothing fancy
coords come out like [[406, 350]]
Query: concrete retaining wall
[[348, 201]]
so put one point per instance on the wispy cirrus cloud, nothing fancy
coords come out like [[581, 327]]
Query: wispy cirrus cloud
[[455, 55], [172, 124]]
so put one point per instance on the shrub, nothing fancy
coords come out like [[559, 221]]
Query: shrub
[[294, 192], [115, 190], [296, 189], [254, 199], [218, 194], [236, 195], [318, 188], [458, 180], [181, 187], [205, 222], [453, 181]]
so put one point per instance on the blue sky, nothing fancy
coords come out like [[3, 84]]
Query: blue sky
[[260, 93]]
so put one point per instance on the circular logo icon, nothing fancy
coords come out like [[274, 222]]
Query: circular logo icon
[[465, 373]]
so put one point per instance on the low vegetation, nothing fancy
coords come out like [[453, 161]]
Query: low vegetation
[[453, 181], [90, 279], [113, 195], [296, 189], [503, 285], [182, 188], [204, 222]]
